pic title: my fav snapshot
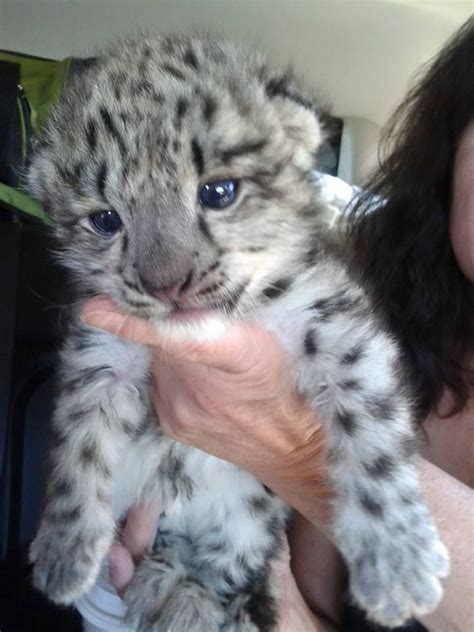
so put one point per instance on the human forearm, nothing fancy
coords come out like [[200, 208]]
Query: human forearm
[[319, 571], [452, 506], [296, 466]]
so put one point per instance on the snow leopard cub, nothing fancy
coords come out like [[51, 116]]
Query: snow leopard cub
[[177, 172]]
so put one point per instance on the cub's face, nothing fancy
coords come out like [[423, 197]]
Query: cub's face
[[176, 171]]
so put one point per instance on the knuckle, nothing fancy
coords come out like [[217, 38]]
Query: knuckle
[[206, 401]]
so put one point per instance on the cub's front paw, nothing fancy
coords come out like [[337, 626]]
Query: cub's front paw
[[398, 579], [67, 559]]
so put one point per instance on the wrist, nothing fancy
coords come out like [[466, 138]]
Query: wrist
[[297, 472]]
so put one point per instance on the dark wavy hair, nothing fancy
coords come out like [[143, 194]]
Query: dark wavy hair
[[404, 247]]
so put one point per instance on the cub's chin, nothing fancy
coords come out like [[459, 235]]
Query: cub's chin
[[193, 324]]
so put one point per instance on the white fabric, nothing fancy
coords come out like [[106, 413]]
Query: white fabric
[[101, 608]]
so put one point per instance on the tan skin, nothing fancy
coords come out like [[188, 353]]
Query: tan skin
[[210, 396]]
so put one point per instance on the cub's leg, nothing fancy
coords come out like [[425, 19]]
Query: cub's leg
[[354, 379], [98, 408]]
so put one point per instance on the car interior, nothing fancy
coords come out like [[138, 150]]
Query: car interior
[[358, 58]]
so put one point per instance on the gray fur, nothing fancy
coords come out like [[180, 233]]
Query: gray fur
[[138, 132]]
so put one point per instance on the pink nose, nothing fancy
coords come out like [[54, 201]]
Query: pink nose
[[169, 292]]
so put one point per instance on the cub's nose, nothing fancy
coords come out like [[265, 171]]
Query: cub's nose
[[169, 292]]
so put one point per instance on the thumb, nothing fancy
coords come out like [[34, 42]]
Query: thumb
[[232, 352], [121, 568]]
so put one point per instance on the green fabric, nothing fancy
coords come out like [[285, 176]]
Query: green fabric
[[23, 131], [22, 201], [41, 80]]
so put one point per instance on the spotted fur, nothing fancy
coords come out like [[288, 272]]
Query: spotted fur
[[138, 132]]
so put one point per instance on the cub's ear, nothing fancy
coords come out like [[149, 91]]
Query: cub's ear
[[302, 119]]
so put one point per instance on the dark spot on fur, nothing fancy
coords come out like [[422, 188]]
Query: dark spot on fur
[[281, 87], [354, 355], [209, 109], [259, 504], [171, 469], [78, 170], [233, 298], [409, 446], [277, 288], [262, 607], [138, 304], [66, 516], [174, 72], [142, 87], [204, 228], [102, 180], [346, 420], [89, 454], [333, 455], [124, 245], [111, 127], [310, 346], [181, 109], [131, 286], [380, 406], [315, 250], [91, 135], [217, 547], [157, 97], [102, 496], [198, 157], [241, 150], [190, 59], [381, 467], [210, 289], [336, 304], [124, 117], [349, 385], [370, 505], [87, 63], [60, 487], [409, 500], [229, 580], [83, 379]]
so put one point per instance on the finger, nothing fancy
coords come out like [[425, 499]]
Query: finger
[[229, 352], [140, 529], [101, 312], [121, 567]]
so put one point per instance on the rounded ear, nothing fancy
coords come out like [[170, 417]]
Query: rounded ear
[[302, 119]]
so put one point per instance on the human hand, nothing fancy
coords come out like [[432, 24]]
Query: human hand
[[233, 398], [137, 538]]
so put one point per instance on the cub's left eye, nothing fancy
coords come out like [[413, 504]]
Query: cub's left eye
[[218, 194], [105, 223]]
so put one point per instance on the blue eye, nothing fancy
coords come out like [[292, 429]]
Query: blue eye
[[105, 223], [218, 194]]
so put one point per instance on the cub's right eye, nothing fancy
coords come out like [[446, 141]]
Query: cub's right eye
[[106, 223]]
